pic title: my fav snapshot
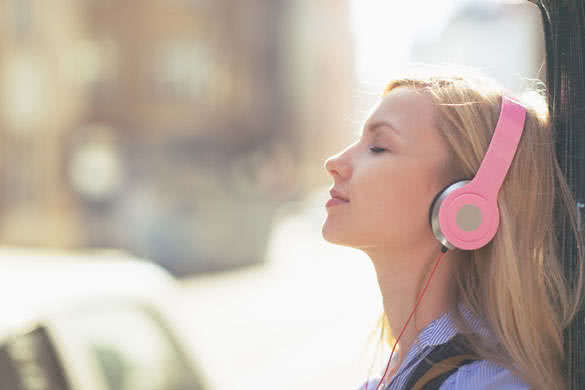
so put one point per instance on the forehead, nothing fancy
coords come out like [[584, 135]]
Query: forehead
[[409, 110]]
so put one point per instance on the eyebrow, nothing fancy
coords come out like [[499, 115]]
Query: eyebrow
[[374, 127]]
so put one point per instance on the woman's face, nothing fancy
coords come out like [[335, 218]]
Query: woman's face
[[388, 177]]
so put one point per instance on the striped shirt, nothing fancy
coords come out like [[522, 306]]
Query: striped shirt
[[479, 375]]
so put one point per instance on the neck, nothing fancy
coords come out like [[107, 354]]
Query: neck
[[402, 276]]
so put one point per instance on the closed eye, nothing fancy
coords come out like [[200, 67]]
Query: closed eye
[[375, 149]]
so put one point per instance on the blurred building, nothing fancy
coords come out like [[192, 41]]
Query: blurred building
[[43, 88], [173, 129], [504, 39]]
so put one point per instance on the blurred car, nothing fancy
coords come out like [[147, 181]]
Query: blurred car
[[91, 322]]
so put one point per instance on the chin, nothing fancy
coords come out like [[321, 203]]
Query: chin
[[334, 236]]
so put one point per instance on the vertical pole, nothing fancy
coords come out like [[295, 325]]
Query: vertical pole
[[564, 29]]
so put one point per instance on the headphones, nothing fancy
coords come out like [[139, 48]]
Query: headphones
[[465, 214]]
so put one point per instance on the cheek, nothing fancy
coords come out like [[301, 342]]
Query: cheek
[[394, 203]]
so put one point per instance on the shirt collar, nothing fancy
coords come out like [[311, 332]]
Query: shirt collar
[[441, 330]]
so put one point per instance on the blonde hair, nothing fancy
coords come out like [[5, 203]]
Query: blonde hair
[[515, 283]]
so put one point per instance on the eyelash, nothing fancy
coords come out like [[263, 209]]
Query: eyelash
[[376, 150]]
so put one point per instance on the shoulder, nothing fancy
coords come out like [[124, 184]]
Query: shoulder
[[481, 375]]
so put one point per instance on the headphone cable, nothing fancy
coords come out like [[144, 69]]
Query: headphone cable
[[443, 251]]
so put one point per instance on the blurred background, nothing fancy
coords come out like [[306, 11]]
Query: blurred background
[[190, 136]]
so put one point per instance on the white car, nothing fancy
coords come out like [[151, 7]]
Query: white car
[[89, 322]]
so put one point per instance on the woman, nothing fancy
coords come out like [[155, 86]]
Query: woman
[[507, 301]]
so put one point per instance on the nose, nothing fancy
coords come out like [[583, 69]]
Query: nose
[[339, 165]]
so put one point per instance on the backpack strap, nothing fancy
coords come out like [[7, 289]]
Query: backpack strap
[[440, 363]]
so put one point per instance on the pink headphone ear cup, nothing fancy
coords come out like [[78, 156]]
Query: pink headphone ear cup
[[469, 221], [462, 218]]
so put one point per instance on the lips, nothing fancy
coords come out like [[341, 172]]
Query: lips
[[337, 198], [335, 194]]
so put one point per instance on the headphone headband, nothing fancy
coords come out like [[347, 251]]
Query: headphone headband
[[502, 148]]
